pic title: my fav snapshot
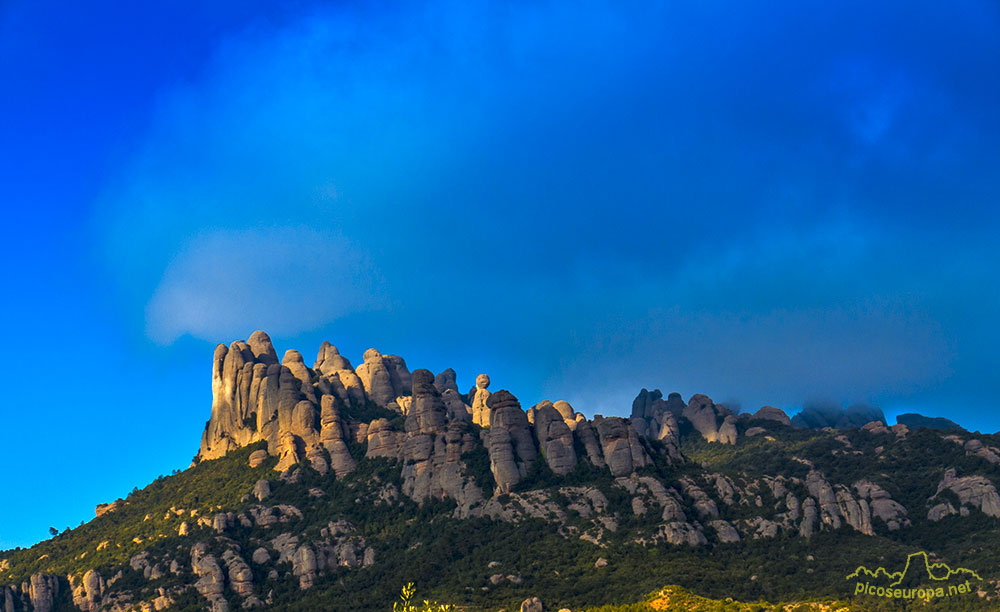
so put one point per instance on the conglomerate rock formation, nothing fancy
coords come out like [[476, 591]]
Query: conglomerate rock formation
[[486, 456], [306, 415]]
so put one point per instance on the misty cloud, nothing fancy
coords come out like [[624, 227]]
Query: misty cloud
[[229, 283], [658, 194]]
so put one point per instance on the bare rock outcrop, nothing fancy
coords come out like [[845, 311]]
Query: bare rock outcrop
[[726, 533], [333, 435], [555, 440], [882, 506], [261, 348], [585, 432], [727, 431], [532, 604], [972, 491], [680, 533], [384, 377], [306, 377], [770, 413], [704, 416], [87, 595], [254, 397], [103, 509], [510, 444], [42, 590], [761, 528], [433, 467], [427, 413], [329, 360], [480, 411], [623, 453], [240, 574], [383, 440], [704, 505], [337, 377], [656, 418], [211, 580], [305, 566], [225, 430], [837, 506], [289, 450], [810, 518], [642, 405], [989, 453], [565, 410], [257, 458], [941, 510], [261, 556], [457, 409], [446, 380]]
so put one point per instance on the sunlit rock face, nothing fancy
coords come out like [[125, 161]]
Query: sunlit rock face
[[296, 409]]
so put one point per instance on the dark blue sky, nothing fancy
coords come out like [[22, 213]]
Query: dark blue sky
[[772, 206]]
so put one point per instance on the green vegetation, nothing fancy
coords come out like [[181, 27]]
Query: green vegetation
[[452, 560], [143, 519], [404, 604], [369, 412], [477, 465]]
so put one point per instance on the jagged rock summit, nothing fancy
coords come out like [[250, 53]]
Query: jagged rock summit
[[359, 454], [912, 419], [818, 416], [313, 414]]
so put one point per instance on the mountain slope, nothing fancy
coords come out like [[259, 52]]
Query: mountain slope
[[330, 487]]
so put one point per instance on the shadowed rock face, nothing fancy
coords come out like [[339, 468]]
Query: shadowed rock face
[[511, 447], [446, 380], [333, 434], [770, 413], [43, 589], [656, 418], [555, 440], [622, 451], [642, 405], [585, 432], [457, 409], [337, 377], [433, 467], [713, 421], [701, 412], [427, 413], [914, 420], [820, 416], [836, 505]]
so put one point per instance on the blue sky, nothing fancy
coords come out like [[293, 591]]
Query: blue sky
[[579, 198]]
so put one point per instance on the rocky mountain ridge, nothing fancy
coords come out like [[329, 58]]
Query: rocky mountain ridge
[[321, 450]]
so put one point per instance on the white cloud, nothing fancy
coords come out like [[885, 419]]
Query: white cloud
[[225, 284]]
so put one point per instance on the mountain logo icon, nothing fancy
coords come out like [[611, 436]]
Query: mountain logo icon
[[919, 579]]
